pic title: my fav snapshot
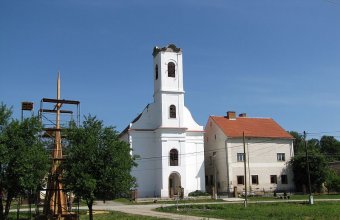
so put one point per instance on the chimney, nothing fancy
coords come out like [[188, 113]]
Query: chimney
[[242, 115], [231, 115]]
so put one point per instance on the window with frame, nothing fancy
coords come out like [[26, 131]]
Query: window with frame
[[173, 157], [284, 179], [240, 180], [281, 157], [171, 69], [273, 179], [240, 157], [156, 72], [255, 179], [172, 111]]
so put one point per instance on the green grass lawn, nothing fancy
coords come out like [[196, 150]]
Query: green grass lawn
[[320, 210], [117, 215], [298, 197]]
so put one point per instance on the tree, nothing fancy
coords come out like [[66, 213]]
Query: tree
[[330, 147], [298, 141], [5, 115], [318, 167], [98, 164], [332, 181], [24, 160]]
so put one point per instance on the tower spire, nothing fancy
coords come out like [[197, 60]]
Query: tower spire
[[58, 86]]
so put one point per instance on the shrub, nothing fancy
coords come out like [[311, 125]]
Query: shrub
[[198, 193]]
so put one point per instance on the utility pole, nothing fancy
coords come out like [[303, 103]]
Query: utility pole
[[311, 200], [245, 171]]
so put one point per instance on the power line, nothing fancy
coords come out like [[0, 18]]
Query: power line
[[269, 140]]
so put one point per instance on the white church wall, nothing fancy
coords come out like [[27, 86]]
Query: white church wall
[[143, 145], [172, 99], [194, 164], [171, 83], [190, 123], [154, 134]]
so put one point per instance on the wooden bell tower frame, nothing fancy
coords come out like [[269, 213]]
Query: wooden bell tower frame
[[56, 200]]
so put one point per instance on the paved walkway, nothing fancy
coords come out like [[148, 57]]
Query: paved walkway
[[146, 210]]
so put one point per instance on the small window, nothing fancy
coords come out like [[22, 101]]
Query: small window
[[206, 180], [173, 157], [240, 180], [273, 179], [211, 180], [240, 157], [284, 179], [254, 179], [171, 69], [156, 72], [281, 157], [172, 110]]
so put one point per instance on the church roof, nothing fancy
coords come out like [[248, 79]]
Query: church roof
[[127, 128], [169, 48], [252, 127]]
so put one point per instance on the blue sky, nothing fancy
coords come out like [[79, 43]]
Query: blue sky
[[268, 58]]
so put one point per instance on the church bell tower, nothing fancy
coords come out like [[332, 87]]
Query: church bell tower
[[168, 85]]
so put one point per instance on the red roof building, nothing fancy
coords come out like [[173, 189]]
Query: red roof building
[[268, 150], [252, 127]]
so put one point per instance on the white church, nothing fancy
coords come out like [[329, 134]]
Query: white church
[[166, 138]]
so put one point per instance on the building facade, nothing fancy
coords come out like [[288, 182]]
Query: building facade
[[167, 140], [268, 149]]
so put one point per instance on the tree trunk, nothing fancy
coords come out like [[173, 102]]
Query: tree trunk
[[90, 204], [18, 207], [8, 204], [1, 204]]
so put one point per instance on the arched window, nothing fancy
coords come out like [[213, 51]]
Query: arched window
[[156, 72], [172, 111], [173, 157], [171, 69]]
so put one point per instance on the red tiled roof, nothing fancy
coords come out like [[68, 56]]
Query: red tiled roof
[[252, 127]]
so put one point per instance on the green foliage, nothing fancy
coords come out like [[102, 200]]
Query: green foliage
[[298, 141], [5, 114], [23, 159], [332, 181], [98, 164], [330, 147], [198, 193], [318, 167], [28, 161]]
